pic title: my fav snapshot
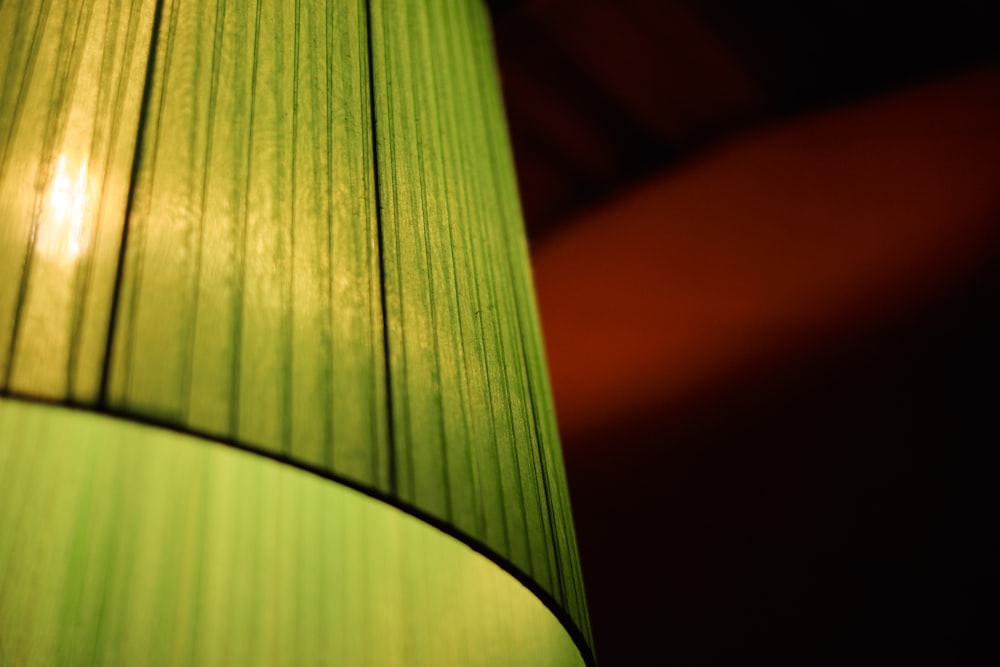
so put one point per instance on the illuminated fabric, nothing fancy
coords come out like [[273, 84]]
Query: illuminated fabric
[[287, 227]]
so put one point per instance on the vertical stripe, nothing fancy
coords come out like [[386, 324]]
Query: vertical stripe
[[292, 227]]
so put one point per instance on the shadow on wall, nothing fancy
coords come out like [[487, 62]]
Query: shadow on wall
[[773, 373]]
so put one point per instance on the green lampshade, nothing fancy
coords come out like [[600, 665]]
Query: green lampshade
[[273, 384]]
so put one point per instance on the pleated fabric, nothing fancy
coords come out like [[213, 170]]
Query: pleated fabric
[[293, 228], [151, 547]]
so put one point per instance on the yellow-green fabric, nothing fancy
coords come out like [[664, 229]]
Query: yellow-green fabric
[[293, 228], [141, 546]]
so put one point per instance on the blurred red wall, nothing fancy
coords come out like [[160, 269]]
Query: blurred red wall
[[768, 415]]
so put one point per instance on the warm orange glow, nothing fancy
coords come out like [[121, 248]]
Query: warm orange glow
[[776, 240]]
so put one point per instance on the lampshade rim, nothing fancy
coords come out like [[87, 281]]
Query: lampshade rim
[[546, 598]]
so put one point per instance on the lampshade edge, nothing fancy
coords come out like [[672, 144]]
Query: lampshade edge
[[544, 597]]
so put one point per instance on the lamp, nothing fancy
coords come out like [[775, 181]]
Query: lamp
[[273, 383]]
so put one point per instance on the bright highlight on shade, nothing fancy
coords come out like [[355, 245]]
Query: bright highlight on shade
[[61, 235]]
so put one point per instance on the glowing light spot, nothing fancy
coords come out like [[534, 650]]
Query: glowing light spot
[[61, 234]]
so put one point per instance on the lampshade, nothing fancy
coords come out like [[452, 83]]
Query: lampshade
[[273, 384]]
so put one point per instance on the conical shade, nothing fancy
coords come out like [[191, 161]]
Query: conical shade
[[273, 384]]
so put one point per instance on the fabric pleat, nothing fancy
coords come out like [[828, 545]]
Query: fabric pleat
[[292, 228]]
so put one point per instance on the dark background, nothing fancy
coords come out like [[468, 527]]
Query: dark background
[[601, 93], [830, 504]]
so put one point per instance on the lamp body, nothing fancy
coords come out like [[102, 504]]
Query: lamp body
[[277, 246]]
